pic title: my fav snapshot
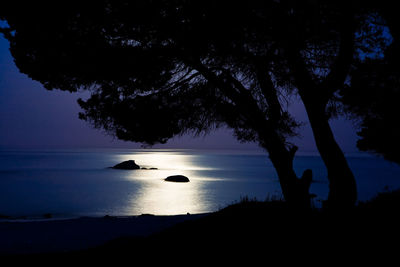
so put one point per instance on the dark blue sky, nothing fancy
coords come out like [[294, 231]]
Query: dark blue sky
[[32, 117]]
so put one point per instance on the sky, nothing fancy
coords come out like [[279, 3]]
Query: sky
[[32, 117]]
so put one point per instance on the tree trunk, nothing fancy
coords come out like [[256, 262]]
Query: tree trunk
[[342, 185], [294, 190]]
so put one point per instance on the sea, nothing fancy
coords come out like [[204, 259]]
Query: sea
[[76, 183]]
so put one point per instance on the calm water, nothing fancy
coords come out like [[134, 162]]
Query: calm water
[[78, 183]]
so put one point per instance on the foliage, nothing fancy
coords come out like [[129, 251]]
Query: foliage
[[143, 60], [373, 95]]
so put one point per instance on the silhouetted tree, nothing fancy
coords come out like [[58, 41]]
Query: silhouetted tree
[[373, 95], [159, 68], [156, 69]]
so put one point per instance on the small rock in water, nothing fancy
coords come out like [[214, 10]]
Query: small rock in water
[[127, 165], [177, 178]]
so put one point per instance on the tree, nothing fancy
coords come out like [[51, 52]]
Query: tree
[[161, 68], [155, 70], [372, 97]]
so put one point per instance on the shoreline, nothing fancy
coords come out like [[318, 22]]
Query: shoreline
[[72, 234]]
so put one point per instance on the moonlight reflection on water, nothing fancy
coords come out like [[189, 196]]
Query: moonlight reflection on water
[[157, 196]]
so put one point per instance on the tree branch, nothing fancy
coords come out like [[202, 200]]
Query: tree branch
[[341, 66], [183, 80], [269, 91], [241, 97], [303, 79]]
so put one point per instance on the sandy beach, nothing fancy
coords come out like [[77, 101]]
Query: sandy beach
[[61, 235]]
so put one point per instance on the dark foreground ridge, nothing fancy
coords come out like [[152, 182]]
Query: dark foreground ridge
[[261, 231]]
